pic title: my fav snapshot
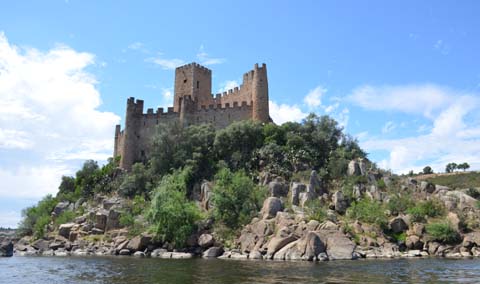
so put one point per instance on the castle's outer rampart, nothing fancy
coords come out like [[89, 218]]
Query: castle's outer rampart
[[193, 103]]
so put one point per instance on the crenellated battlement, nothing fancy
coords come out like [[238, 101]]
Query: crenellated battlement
[[193, 104], [194, 65]]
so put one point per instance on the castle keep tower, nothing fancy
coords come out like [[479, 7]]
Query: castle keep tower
[[193, 103]]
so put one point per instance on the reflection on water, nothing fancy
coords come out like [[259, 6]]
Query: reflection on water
[[133, 270]]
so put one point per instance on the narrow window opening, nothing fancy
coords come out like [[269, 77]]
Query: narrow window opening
[[185, 81], [198, 84]]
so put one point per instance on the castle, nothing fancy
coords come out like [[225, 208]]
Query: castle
[[193, 103]]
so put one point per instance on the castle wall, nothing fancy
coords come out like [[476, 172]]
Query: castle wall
[[193, 104]]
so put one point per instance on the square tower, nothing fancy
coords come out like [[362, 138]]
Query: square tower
[[193, 80]]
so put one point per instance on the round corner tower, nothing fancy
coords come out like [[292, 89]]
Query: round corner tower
[[260, 94]]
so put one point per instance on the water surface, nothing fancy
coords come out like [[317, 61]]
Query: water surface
[[118, 270]]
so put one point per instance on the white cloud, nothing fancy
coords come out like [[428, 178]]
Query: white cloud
[[314, 97], [166, 64], [413, 99], [453, 138], [281, 113], [206, 59], [388, 127], [9, 219], [49, 117], [228, 85]]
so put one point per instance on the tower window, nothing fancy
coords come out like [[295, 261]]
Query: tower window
[[198, 84], [185, 81]]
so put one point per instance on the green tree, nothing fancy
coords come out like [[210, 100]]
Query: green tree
[[237, 143], [137, 182], [236, 199], [463, 166], [443, 232], [175, 146], [451, 167], [172, 215], [36, 218], [427, 170]]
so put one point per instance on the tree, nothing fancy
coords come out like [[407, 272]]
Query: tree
[[172, 215], [451, 167], [463, 166], [236, 199], [427, 170]]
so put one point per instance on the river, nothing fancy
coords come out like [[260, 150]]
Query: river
[[118, 270]]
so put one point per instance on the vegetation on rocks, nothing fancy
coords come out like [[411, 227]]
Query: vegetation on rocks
[[267, 190]]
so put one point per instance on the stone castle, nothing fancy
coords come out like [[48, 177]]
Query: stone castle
[[193, 103]]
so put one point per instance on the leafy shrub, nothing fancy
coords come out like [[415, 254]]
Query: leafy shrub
[[430, 208], [368, 211], [36, 218], [400, 203], [236, 198], [316, 211], [66, 217], [172, 216], [137, 182], [473, 192], [442, 232]]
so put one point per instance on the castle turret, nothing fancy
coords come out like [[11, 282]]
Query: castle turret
[[195, 81], [260, 94], [133, 120]]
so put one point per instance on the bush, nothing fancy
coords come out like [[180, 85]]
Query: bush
[[400, 203], [137, 182], [316, 211], [429, 208], [66, 217], [236, 198], [442, 232], [368, 211], [36, 218], [172, 216]]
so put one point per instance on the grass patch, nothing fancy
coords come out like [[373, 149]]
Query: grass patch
[[368, 211], [429, 208], [458, 180], [443, 232]]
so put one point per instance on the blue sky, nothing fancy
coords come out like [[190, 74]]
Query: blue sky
[[401, 76]]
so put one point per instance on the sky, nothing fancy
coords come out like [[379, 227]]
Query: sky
[[403, 77]]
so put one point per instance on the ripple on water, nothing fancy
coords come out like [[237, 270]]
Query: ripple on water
[[116, 270]]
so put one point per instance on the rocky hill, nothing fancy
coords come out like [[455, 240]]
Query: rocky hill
[[249, 192]]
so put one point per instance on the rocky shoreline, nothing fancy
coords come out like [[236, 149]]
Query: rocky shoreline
[[282, 230]]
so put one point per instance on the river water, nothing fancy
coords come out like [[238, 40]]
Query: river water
[[115, 270]]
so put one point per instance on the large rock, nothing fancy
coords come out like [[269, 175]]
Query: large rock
[[278, 188], [206, 195], [297, 188], [206, 240], [271, 206], [306, 197], [315, 184], [427, 187], [113, 220], [213, 252], [101, 219], [340, 202], [414, 243], [353, 168], [41, 244], [311, 245], [139, 243], [276, 243], [64, 229], [454, 220], [338, 245], [111, 202], [61, 207], [398, 225], [6, 249]]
